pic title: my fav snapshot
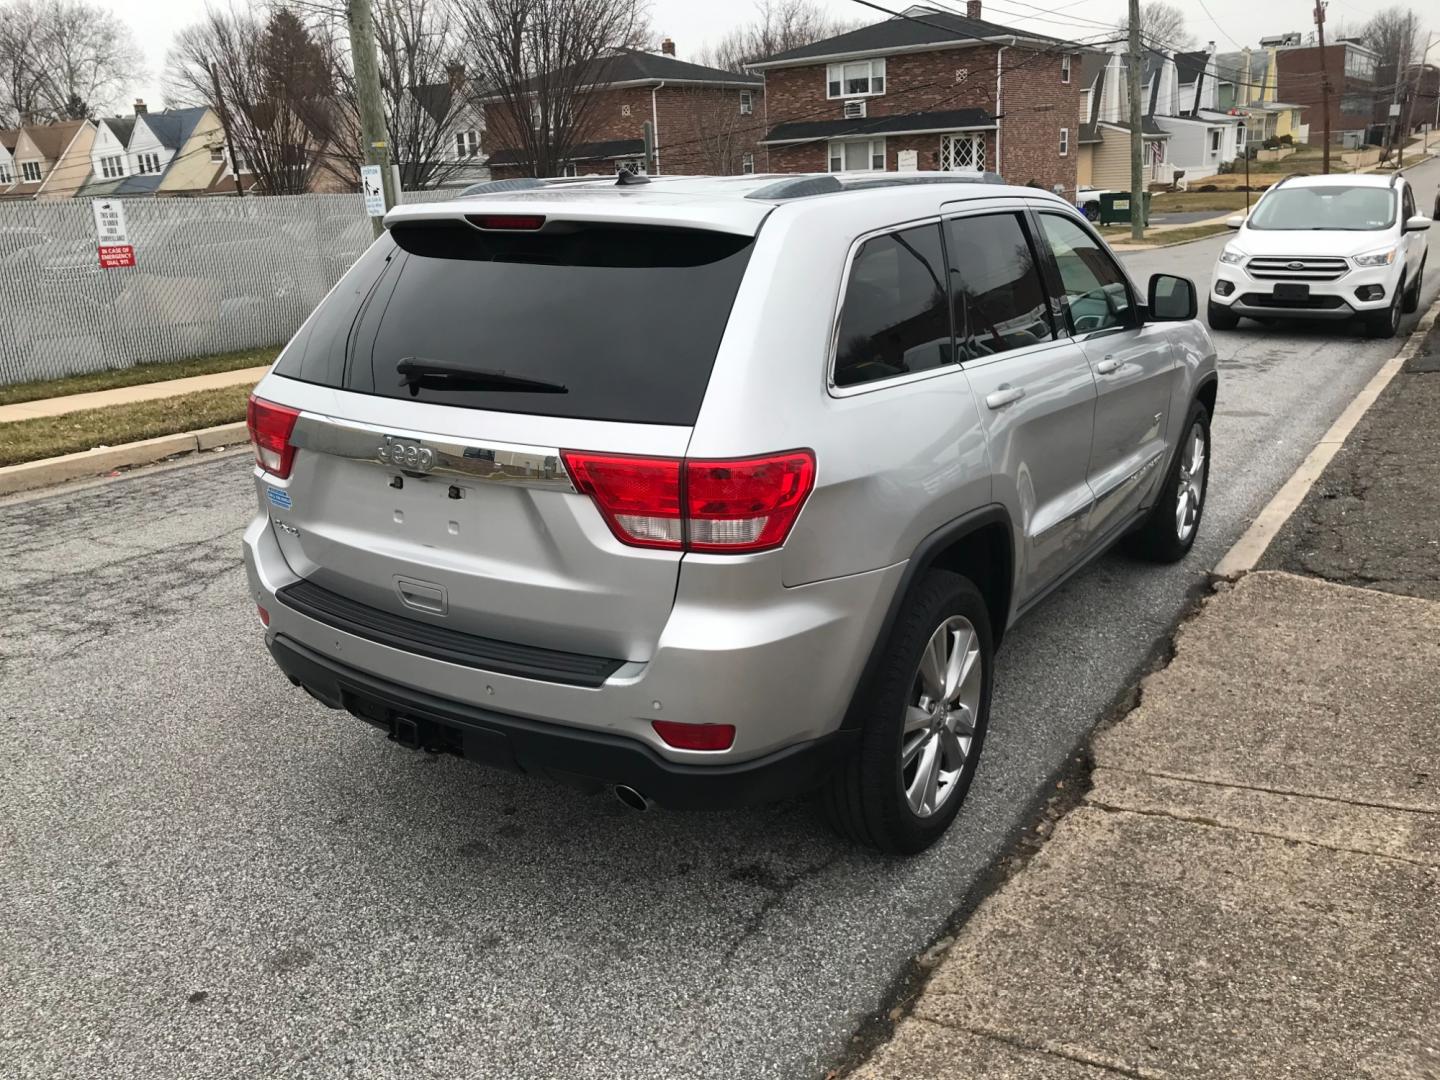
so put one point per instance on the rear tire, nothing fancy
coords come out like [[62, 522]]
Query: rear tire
[[1169, 530], [1411, 303], [924, 714], [1220, 317], [1385, 324]]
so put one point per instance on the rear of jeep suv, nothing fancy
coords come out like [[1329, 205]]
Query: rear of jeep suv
[[479, 529]]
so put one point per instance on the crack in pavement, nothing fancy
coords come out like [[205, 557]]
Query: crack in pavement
[[1271, 791]]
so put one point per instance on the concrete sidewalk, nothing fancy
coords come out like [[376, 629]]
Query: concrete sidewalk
[[1251, 888], [124, 395]]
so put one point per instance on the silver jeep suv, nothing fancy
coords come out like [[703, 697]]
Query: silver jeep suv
[[713, 491]]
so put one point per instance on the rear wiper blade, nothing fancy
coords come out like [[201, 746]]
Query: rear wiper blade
[[416, 372]]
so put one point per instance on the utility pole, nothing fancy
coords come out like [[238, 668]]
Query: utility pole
[[649, 129], [1137, 132], [225, 127], [1324, 84], [367, 92]]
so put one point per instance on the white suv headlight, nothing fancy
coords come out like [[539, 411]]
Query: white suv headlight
[[1375, 258], [1233, 255]]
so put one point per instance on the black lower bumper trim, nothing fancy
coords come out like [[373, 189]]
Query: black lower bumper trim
[[586, 759]]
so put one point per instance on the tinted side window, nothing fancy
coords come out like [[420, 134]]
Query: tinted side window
[[1097, 296], [1409, 210], [995, 283], [895, 318]]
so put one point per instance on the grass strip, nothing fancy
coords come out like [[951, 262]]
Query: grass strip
[[162, 371], [51, 436]]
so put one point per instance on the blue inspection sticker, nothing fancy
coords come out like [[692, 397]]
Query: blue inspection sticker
[[278, 498]]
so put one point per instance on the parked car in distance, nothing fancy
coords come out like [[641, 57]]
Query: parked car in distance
[[1324, 247], [1087, 201], [716, 490]]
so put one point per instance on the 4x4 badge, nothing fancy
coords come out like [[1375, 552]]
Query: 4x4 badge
[[403, 455]]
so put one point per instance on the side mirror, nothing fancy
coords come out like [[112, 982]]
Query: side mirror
[[1235, 222], [1172, 298], [1418, 223]]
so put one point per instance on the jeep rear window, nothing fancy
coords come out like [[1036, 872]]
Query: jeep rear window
[[627, 319]]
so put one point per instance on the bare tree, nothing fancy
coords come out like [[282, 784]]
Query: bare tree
[[276, 83], [63, 60], [1394, 36], [425, 89], [541, 62], [1162, 26], [778, 25]]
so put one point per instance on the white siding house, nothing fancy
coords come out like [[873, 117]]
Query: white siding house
[[109, 154], [147, 155]]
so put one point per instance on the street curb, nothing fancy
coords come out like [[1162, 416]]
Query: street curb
[[1246, 552], [37, 474]]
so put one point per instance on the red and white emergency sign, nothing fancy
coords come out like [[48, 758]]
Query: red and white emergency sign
[[114, 243]]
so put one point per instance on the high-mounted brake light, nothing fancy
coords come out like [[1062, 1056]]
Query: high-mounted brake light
[[730, 507], [514, 222], [270, 427]]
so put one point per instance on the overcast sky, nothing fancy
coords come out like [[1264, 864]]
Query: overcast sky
[[1231, 23]]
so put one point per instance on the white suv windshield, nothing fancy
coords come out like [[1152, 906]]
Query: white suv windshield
[[1334, 206]]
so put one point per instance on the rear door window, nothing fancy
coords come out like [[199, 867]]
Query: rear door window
[[998, 293], [607, 322], [895, 318]]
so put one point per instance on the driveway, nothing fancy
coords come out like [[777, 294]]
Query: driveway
[[207, 874]]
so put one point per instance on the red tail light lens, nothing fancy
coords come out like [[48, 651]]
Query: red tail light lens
[[746, 505], [739, 506], [638, 497], [695, 736], [270, 427], [514, 222]]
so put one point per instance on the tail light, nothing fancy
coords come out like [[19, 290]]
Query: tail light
[[270, 427], [695, 736], [731, 507]]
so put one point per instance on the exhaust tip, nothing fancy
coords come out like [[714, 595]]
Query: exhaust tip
[[632, 798]]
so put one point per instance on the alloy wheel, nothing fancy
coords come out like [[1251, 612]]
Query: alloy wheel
[[1190, 493], [940, 719]]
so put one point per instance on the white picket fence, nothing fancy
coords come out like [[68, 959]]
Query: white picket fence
[[212, 275]]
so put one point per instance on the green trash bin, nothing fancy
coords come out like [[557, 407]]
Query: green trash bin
[[1115, 207]]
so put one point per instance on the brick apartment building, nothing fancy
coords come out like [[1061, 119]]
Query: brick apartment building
[[1351, 69], [706, 121], [927, 90]]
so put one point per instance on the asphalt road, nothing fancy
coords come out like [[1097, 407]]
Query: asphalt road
[[205, 874]]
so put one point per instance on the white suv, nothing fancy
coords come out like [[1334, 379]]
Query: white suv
[[1324, 247]]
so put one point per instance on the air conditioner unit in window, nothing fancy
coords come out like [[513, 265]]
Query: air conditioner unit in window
[[855, 110]]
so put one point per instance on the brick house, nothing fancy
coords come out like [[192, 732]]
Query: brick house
[[928, 89], [707, 121], [1351, 68]]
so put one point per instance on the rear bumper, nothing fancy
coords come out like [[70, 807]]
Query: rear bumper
[[585, 759]]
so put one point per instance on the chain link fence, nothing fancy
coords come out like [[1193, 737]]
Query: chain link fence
[[212, 275]]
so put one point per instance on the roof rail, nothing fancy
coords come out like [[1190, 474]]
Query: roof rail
[[1394, 177], [797, 188], [902, 180], [491, 187]]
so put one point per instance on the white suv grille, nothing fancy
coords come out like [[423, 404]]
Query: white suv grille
[[1297, 268]]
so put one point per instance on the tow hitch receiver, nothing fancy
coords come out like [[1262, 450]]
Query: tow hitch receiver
[[405, 731]]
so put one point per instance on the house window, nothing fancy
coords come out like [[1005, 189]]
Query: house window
[[962, 153], [30, 172], [1215, 141], [747, 103], [1065, 68], [747, 163], [467, 144], [858, 78], [6, 176], [111, 167], [630, 165], [149, 164], [857, 155], [217, 154], [1064, 141]]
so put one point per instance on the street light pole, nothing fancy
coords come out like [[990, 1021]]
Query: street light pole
[[1137, 133], [367, 93]]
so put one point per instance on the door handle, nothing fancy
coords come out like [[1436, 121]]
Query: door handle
[[1005, 395], [1109, 366]]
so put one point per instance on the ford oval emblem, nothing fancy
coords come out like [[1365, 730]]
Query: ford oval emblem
[[1295, 266]]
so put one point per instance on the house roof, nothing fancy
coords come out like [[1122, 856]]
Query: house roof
[[436, 99], [124, 185], [8, 137], [916, 122], [173, 126], [1092, 66], [120, 127], [1189, 66], [1230, 67], [1089, 134], [592, 151], [53, 139], [910, 32], [634, 66], [1148, 127]]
